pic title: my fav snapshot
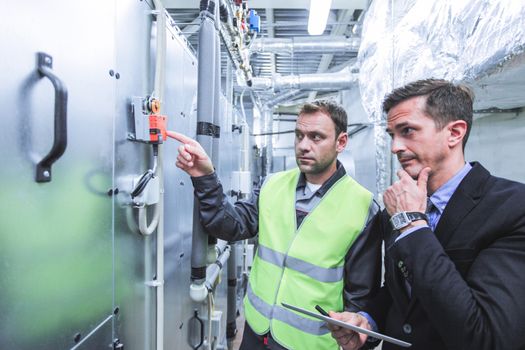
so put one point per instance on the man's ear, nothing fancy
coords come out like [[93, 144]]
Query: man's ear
[[457, 130], [341, 142]]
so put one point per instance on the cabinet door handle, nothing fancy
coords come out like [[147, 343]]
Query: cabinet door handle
[[43, 168]]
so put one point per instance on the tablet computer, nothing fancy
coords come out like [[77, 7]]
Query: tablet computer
[[348, 326]]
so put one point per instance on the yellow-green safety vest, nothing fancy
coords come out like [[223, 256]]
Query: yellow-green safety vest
[[302, 266]]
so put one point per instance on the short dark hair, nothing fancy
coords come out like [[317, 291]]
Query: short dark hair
[[445, 101], [334, 110]]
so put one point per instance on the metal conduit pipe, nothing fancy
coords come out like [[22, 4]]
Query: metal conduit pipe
[[205, 112], [217, 90], [245, 146], [212, 272], [322, 44], [218, 12], [267, 129], [342, 80], [231, 312]]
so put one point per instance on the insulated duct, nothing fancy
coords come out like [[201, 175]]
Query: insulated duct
[[342, 80], [205, 112], [323, 44], [231, 315]]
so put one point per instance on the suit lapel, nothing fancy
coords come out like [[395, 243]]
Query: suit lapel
[[464, 199]]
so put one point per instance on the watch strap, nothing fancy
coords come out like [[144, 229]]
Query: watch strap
[[415, 215]]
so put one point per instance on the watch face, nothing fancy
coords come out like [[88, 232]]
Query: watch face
[[399, 220]]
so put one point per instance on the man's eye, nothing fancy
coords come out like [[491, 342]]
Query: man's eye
[[299, 136], [406, 131], [316, 137]]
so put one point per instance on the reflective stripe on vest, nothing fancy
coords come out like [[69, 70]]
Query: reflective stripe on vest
[[321, 274], [288, 316]]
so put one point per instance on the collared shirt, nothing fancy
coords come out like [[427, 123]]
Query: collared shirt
[[439, 200], [306, 200]]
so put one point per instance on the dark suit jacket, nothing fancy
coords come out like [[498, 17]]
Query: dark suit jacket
[[467, 279]]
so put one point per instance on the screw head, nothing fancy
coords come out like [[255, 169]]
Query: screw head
[[77, 337]]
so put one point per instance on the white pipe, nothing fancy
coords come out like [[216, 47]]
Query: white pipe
[[160, 257], [245, 146], [283, 97], [159, 93], [321, 44], [144, 228]]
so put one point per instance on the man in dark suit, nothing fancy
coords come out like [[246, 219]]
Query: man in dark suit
[[455, 277]]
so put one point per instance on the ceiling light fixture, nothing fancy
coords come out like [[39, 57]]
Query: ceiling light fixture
[[319, 10]]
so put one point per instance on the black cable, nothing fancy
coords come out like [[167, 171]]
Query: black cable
[[143, 181]]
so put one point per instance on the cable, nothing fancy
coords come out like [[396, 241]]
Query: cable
[[147, 176]]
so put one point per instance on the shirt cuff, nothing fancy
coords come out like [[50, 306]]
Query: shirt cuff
[[370, 320], [409, 231]]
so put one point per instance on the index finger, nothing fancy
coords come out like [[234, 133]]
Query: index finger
[[180, 137]]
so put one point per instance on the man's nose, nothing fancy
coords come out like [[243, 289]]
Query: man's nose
[[397, 145], [303, 144]]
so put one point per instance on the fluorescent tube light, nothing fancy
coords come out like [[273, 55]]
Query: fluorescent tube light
[[319, 10]]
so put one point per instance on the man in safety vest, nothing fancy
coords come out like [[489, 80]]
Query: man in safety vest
[[312, 224]]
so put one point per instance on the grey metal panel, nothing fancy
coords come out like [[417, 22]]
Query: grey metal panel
[[497, 142], [134, 254], [99, 338], [180, 103], [56, 237]]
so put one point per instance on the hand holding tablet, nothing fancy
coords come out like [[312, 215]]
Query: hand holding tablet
[[330, 320]]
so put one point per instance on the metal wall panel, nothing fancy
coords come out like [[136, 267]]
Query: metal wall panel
[[497, 142], [56, 237], [134, 254], [73, 267], [180, 103]]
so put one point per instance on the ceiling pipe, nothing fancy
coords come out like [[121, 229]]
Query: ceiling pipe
[[287, 96], [341, 80], [320, 44]]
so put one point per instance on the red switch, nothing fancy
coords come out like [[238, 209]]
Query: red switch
[[157, 128]]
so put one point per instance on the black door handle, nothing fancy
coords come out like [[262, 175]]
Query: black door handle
[[43, 168], [201, 329]]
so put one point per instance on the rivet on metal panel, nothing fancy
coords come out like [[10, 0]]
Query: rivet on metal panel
[[77, 338], [111, 72], [117, 344]]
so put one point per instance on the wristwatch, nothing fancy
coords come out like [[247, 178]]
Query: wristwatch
[[404, 218]]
